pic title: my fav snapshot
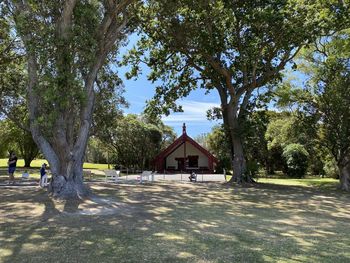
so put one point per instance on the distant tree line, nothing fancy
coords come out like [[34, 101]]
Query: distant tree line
[[130, 141]]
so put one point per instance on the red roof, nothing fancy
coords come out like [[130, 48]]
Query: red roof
[[178, 142]]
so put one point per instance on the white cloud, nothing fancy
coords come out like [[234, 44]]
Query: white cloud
[[194, 111]]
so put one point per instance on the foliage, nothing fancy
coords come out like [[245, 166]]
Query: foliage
[[333, 104], [296, 158], [234, 48], [202, 139], [294, 127], [330, 167], [13, 138], [256, 144], [168, 135], [96, 151], [134, 141], [327, 65], [70, 50], [219, 146], [37, 163]]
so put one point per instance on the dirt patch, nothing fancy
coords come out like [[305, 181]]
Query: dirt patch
[[94, 206]]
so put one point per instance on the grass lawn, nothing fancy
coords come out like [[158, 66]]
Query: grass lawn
[[310, 181], [38, 162], [177, 222]]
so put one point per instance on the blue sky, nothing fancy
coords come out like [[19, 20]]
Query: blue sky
[[195, 105]]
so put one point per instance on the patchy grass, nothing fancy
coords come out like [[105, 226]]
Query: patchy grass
[[312, 181], [38, 162], [177, 222], [317, 182]]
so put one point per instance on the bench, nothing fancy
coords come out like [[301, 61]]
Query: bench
[[146, 175], [25, 176], [112, 174]]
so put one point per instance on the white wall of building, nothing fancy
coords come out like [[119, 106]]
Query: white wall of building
[[190, 150]]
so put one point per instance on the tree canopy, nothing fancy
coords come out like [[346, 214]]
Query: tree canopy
[[69, 48], [234, 47]]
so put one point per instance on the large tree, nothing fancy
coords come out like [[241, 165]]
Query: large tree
[[66, 44], [234, 47], [329, 69]]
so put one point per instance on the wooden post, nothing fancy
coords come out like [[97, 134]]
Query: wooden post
[[184, 142]]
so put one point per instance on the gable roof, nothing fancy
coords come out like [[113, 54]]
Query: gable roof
[[178, 142]]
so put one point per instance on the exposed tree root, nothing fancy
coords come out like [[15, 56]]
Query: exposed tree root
[[243, 181], [60, 188]]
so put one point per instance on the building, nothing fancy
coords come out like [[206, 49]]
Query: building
[[185, 155]]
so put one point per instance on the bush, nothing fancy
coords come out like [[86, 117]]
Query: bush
[[296, 158], [224, 163], [331, 168], [252, 168], [316, 166]]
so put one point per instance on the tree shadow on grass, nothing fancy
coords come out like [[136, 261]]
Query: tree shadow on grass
[[29, 210], [178, 222]]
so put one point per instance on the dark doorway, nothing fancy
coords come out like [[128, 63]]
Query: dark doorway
[[180, 164], [193, 161]]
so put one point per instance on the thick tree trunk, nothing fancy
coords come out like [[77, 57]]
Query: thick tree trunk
[[238, 162], [64, 143], [344, 177], [69, 183], [238, 157], [27, 162], [67, 171]]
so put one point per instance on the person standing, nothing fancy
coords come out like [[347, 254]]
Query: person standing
[[43, 176], [12, 163]]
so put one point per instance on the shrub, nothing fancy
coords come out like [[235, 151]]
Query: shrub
[[331, 168], [224, 163], [252, 168], [296, 158]]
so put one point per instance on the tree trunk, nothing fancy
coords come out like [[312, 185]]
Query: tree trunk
[[67, 167], [238, 162], [344, 176], [27, 161], [238, 158], [68, 184]]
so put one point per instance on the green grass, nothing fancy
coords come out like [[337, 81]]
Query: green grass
[[314, 182], [317, 182], [38, 162], [177, 222]]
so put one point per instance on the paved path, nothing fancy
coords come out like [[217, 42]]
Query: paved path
[[134, 178], [178, 177]]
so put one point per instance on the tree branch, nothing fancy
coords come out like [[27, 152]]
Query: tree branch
[[107, 35]]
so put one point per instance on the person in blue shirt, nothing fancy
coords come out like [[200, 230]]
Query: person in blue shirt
[[43, 175], [12, 163]]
